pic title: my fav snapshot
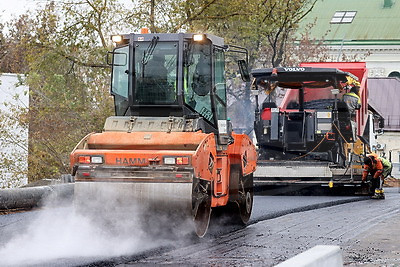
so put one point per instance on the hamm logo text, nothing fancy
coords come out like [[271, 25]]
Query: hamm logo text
[[130, 161]]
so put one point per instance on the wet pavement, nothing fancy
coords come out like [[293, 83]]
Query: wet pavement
[[356, 227]]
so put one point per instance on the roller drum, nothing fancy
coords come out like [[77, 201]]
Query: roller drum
[[152, 196]]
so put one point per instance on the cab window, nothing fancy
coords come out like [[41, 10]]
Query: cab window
[[155, 73], [198, 79], [119, 83]]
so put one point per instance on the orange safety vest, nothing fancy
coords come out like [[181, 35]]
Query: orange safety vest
[[376, 169]]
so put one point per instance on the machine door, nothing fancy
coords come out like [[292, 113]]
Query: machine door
[[220, 84], [119, 84], [198, 79], [204, 71]]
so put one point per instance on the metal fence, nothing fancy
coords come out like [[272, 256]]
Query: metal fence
[[396, 170], [392, 122]]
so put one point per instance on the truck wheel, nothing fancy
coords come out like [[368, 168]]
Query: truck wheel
[[238, 209], [201, 205], [245, 200]]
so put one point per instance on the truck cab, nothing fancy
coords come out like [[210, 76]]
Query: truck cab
[[162, 75]]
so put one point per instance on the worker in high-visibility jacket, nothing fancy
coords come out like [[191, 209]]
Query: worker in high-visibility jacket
[[379, 168], [353, 101]]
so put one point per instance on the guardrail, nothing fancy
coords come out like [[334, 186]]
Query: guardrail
[[318, 256], [29, 197]]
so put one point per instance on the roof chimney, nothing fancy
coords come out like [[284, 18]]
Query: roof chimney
[[387, 3]]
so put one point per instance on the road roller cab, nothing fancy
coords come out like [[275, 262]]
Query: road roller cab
[[170, 142]]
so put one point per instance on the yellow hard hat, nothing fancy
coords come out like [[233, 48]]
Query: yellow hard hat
[[352, 82]]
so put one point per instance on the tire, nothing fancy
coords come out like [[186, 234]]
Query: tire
[[240, 205], [201, 206], [246, 196]]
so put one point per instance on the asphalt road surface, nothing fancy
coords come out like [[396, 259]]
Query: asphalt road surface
[[280, 227], [367, 232]]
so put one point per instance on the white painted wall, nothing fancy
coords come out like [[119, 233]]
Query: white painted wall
[[17, 153], [381, 59], [391, 143]]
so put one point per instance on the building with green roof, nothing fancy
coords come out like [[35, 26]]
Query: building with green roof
[[369, 29]]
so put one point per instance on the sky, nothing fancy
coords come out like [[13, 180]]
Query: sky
[[13, 8]]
